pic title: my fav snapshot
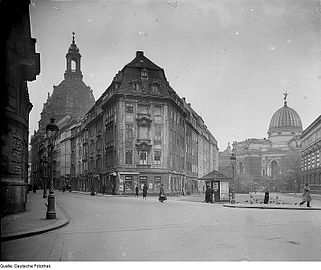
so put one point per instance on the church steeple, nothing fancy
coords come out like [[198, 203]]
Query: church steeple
[[73, 61]]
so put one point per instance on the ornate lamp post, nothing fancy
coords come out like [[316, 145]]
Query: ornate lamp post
[[51, 133], [44, 166], [233, 162]]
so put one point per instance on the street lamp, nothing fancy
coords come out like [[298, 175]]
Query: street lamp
[[44, 166], [42, 169], [233, 162], [51, 134]]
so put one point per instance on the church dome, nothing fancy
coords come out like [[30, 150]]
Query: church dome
[[285, 119]]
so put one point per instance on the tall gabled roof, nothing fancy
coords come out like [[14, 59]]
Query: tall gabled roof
[[140, 61]]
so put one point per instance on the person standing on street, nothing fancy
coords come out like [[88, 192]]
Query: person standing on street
[[306, 196], [145, 191], [136, 191]]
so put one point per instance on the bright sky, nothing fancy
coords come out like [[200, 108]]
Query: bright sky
[[232, 60]]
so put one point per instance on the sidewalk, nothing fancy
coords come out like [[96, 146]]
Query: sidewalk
[[32, 221]]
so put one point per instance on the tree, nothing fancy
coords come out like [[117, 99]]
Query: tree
[[244, 182], [291, 168]]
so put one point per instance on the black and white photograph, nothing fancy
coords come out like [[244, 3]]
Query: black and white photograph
[[160, 131]]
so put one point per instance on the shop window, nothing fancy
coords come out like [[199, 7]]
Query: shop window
[[128, 183], [142, 181], [143, 157], [157, 182]]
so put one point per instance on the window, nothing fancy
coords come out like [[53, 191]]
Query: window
[[136, 87], [157, 182], [144, 74], [142, 181], [157, 110], [73, 65], [129, 108], [158, 133], [144, 109], [143, 157], [157, 157], [129, 157], [155, 88], [129, 135]]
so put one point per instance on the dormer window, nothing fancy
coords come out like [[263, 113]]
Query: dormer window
[[136, 86], [144, 74], [155, 88]]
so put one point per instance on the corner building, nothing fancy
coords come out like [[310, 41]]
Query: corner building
[[141, 132]]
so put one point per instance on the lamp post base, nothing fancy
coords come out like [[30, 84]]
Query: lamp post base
[[51, 211], [233, 198]]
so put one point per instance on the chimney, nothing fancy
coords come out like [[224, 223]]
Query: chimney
[[139, 53]]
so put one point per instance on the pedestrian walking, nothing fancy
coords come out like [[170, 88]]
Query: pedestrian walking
[[162, 196], [145, 191], [136, 191], [306, 196]]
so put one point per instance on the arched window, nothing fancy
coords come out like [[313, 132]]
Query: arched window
[[275, 170], [73, 65]]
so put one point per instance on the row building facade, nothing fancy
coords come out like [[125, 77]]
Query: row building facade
[[68, 104], [21, 64], [311, 149]]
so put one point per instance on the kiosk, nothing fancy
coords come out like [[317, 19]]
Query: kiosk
[[219, 183]]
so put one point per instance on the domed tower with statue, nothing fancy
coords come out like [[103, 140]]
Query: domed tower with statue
[[272, 162]]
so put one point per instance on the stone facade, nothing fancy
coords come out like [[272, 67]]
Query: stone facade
[[21, 64], [311, 149], [140, 131]]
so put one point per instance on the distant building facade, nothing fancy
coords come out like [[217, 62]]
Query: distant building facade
[[21, 64], [265, 159], [68, 104], [311, 150], [141, 132]]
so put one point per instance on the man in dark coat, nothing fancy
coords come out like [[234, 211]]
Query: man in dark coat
[[207, 194], [145, 191], [136, 191]]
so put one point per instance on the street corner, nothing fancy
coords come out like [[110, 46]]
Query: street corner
[[38, 228]]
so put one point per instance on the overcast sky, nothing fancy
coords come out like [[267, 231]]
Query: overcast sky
[[232, 60]]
